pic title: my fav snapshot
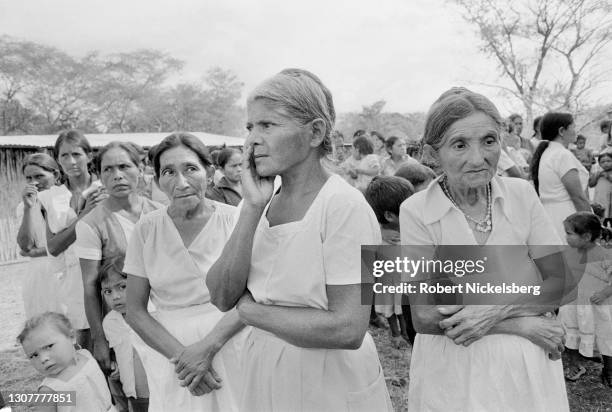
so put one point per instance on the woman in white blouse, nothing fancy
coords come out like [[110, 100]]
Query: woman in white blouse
[[292, 266], [558, 176], [105, 232], [479, 357]]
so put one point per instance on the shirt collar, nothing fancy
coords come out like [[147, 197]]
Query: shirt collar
[[437, 204]]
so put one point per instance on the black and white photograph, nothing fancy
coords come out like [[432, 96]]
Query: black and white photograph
[[277, 206]]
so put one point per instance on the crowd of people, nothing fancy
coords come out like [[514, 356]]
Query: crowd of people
[[183, 279]]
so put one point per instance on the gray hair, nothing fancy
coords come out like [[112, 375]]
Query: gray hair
[[455, 104], [303, 96]]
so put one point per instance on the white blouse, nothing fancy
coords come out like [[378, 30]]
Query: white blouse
[[556, 161]]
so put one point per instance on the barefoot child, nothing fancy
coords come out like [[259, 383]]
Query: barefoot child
[[128, 369], [589, 319], [48, 341], [385, 194]]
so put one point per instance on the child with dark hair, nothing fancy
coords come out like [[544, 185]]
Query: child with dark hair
[[127, 369], [582, 153], [417, 174], [601, 180], [588, 319], [385, 194], [362, 165]]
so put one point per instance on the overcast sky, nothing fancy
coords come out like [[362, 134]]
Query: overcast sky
[[403, 51]]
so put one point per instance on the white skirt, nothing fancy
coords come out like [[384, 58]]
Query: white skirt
[[280, 377], [39, 287], [558, 211], [190, 325], [495, 373]]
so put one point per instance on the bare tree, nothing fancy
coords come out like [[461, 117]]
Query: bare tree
[[550, 50]]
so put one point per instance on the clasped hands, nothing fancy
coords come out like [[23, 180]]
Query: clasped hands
[[193, 366], [466, 324]]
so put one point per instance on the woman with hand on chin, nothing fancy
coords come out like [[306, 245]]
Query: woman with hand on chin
[[482, 357], [63, 206], [292, 266], [190, 361], [104, 233]]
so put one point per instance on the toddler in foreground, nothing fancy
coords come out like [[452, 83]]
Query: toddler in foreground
[[48, 341]]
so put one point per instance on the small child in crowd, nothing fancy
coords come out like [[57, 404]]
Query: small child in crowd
[[128, 368], [588, 319], [582, 153], [601, 180], [48, 340], [385, 194], [417, 174]]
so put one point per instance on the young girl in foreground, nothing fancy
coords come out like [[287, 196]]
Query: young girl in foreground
[[48, 341], [589, 319], [128, 370]]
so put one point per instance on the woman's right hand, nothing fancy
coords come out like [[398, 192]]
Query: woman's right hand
[[92, 200], [547, 333], [29, 195], [256, 190]]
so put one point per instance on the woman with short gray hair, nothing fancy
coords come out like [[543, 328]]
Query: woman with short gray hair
[[292, 266], [481, 357]]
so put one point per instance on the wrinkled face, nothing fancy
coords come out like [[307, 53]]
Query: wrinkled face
[[399, 148], [470, 151], [574, 239], [49, 350], [606, 163], [182, 177], [72, 159], [43, 179], [113, 290], [118, 173], [233, 168], [279, 142]]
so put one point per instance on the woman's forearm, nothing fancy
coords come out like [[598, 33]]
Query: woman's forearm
[[153, 333], [307, 327], [225, 329], [227, 278], [57, 243], [581, 204], [26, 234]]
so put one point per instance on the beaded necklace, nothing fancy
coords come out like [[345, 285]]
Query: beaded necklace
[[484, 225]]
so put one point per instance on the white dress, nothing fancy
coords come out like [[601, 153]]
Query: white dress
[[40, 283], [59, 215], [291, 265], [497, 372], [92, 394], [556, 161], [177, 278]]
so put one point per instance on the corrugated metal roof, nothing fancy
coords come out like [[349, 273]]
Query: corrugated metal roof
[[99, 140]]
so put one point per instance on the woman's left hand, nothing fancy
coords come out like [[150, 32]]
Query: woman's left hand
[[470, 323], [194, 368], [243, 302], [598, 297]]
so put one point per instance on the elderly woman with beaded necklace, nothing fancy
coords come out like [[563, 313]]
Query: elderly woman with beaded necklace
[[496, 357]]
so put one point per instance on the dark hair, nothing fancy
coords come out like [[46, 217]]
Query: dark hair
[[225, 155], [581, 137], [151, 153], [386, 194], [113, 264], [549, 129], [415, 173], [214, 156], [379, 136], [390, 142], [599, 210], [363, 145], [60, 321], [514, 116], [75, 137], [45, 162], [604, 124], [181, 139], [358, 133], [536, 125], [585, 222], [132, 149]]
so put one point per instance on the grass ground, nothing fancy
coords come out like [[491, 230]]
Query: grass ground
[[16, 374]]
